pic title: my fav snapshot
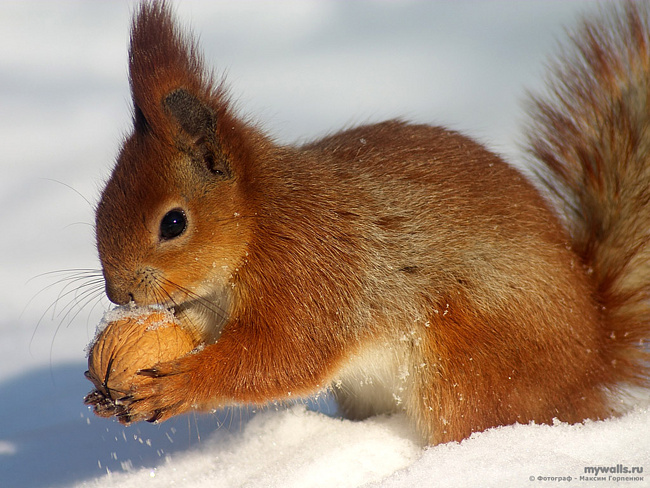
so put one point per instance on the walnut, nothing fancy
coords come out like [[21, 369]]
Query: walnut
[[133, 340]]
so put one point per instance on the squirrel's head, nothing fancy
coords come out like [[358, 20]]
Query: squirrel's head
[[173, 221]]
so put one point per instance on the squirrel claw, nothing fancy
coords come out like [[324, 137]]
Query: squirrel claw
[[150, 373], [93, 398], [102, 405], [156, 417]]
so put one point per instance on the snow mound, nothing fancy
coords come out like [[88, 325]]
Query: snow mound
[[291, 448], [301, 448]]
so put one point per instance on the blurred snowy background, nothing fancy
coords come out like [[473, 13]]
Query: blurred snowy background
[[303, 69]]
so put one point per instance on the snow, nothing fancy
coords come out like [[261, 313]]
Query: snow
[[140, 314], [301, 69]]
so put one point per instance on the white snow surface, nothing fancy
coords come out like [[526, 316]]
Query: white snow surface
[[300, 69]]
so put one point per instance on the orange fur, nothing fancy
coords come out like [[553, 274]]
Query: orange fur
[[404, 266]]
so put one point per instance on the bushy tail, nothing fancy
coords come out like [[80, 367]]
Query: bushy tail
[[590, 138]]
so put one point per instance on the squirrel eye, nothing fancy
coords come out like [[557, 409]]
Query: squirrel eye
[[173, 224]]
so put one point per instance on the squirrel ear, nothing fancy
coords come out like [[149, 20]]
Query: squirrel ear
[[198, 123], [196, 119], [170, 86]]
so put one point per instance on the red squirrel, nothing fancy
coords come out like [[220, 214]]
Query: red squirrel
[[404, 267]]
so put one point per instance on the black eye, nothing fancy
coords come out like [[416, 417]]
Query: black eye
[[173, 224]]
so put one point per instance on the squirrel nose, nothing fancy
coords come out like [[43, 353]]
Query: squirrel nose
[[117, 295]]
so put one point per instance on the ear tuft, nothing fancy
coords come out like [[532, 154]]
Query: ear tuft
[[162, 59]]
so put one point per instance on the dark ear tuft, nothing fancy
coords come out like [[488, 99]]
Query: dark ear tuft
[[166, 72], [195, 118]]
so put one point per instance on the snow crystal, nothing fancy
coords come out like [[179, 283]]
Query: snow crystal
[[7, 448]]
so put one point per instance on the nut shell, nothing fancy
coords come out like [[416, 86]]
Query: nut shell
[[132, 343]]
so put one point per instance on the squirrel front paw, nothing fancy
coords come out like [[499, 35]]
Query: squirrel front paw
[[157, 394]]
